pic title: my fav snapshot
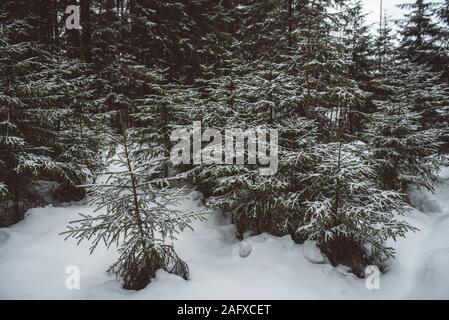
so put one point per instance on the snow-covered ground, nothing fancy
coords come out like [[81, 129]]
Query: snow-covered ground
[[34, 258]]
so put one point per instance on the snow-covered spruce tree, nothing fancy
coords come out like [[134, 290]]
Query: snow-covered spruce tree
[[221, 101], [266, 203], [346, 212], [137, 214], [147, 100], [298, 137], [358, 41], [33, 112], [443, 12], [262, 33], [79, 131], [322, 65], [225, 108], [167, 107], [402, 141], [257, 93], [384, 49], [426, 89], [265, 98], [427, 94], [443, 16], [169, 34], [254, 200], [221, 19], [413, 93], [422, 35], [109, 31], [358, 44], [126, 81]]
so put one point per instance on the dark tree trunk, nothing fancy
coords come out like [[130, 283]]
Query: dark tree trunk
[[109, 10], [86, 52], [46, 21]]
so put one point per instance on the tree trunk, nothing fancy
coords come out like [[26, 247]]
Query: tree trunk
[[87, 32], [46, 21]]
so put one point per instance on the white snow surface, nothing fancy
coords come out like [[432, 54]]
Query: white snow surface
[[312, 253], [34, 258]]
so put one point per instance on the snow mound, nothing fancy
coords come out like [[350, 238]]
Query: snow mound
[[244, 249], [312, 253], [424, 201], [444, 174]]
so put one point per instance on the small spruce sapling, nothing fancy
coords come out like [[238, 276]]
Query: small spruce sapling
[[141, 217], [348, 215]]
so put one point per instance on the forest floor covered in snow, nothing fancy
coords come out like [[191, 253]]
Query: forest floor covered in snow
[[34, 259]]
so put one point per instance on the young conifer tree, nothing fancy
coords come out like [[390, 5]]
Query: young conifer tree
[[384, 48], [358, 43], [322, 65], [402, 141], [169, 34], [137, 214], [259, 96], [166, 107], [347, 213], [406, 132], [79, 130], [422, 36], [262, 33], [36, 115]]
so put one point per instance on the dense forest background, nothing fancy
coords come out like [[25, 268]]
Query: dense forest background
[[362, 111]]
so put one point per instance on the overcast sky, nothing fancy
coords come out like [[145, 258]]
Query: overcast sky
[[373, 8]]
